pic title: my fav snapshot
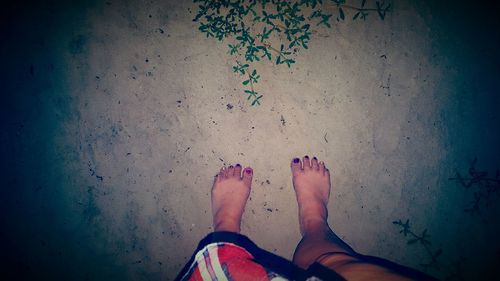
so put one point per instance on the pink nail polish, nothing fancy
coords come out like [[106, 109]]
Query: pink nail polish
[[248, 171]]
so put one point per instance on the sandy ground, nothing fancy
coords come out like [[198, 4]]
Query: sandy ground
[[118, 114]]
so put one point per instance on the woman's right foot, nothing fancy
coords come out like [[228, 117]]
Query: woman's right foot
[[229, 197], [311, 181]]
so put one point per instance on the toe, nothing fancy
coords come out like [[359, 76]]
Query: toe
[[307, 163], [230, 171], [322, 167], [222, 173], [296, 166], [314, 163], [247, 175], [237, 170]]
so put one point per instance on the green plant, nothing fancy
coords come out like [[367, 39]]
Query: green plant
[[484, 186], [422, 239], [452, 271], [257, 27]]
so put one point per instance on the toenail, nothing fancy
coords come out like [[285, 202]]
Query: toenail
[[307, 157], [230, 167], [315, 158], [296, 160], [248, 171], [238, 165]]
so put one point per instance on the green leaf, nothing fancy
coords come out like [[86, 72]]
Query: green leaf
[[254, 72], [289, 62], [256, 101], [363, 15], [363, 3], [356, 16], [246, 82], [381, 9], [341, 13], [324, 20]]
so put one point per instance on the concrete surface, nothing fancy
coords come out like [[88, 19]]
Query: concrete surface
[[114, 130]]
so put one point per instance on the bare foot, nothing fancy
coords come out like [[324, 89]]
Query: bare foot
[[311, 181], [229, 197]]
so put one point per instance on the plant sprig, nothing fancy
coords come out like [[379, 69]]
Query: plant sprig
[[254, 28], [422, 239], [484, 186], [453, 269]]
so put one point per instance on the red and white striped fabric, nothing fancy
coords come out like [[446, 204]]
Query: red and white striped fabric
[[227, 261]]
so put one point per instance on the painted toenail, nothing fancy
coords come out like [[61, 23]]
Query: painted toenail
[[238, 165], [315, 158], [248, 171], [296, 160], [230, 167], [307, 157]]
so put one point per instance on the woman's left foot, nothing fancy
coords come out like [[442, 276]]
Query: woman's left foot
[[229, 197]]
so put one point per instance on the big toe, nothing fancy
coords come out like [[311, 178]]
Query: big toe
[[247, 176], [296, 166]]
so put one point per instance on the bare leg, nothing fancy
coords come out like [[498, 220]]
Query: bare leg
[[311, 181], [229, 197]]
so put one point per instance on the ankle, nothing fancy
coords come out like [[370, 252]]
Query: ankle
[[314, 227], [227, 225]]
